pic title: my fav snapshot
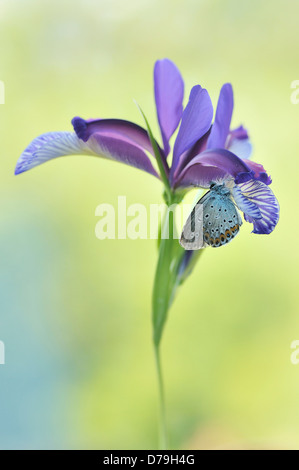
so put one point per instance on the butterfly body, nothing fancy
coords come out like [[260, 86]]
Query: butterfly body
[[218, 218]]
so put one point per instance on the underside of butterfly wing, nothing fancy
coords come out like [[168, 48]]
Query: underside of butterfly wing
[[214, 221], [192, 234], [221, 220]]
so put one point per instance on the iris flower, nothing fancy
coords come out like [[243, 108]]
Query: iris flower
[[203, 152]]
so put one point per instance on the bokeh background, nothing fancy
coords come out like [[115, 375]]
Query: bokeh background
[[74, 310]]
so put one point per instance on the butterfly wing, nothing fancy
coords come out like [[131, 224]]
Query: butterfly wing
[[221, 220], [214, 221], [192, 234]]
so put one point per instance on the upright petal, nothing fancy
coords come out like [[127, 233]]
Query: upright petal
[[199, 146], [259, 194], [221, 125], [238, 133], [196, 121], [238, 142], [169, 94], [57, 144]]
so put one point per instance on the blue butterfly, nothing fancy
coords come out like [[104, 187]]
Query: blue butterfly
[[213, 221]]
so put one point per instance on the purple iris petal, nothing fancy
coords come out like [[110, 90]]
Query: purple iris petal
[[115, 128], [264, 178], [239, 133], [169, 94], [48, 146], [185, 268], [200, 176], [244, 176], [196, 121], [238, 142], [245, 204], [215, 164], [199, 146], [241, 147], [261, 195], [224, 111], [57, 144], [185, 261], [259, 172]]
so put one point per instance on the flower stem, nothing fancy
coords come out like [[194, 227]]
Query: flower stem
[[161, 297], [162, 414]]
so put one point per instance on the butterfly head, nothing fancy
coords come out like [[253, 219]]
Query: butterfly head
[[219, 188]]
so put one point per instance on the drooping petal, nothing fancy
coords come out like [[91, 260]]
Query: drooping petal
[[221, 125], [169, 94], [260, 194], [245, 204], [57, 144], [196, 121], [198, 175], [238, 142], [115, 128], [210, 165], [259, 171]]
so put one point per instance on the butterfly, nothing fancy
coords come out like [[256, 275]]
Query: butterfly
[[213, 221]]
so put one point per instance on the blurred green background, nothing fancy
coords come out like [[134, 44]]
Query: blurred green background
[[74, 310]]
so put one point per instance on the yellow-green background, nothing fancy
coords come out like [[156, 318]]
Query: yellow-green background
[[75, 311]]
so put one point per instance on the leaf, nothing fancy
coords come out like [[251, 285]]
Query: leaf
[[161, 163], [162, 283], [169, 275]]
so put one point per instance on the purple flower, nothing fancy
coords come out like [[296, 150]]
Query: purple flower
[[202, 152]]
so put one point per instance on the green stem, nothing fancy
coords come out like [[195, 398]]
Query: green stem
[[162, 414], [161, 297], [166, 277], [162, 283]]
